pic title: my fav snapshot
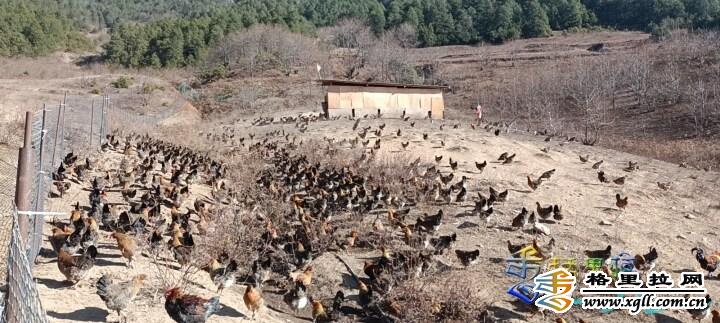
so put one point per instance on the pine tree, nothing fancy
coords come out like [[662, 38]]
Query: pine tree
[[464, 28], [507, 24], [377, 19], [441, 20], [394, 14], [536, 20], [426, 36]]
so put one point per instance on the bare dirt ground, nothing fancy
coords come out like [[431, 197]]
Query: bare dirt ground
[[673, 221], [64, 303]]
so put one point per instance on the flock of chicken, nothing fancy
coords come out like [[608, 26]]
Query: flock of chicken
[[143, 225], [155, 179]]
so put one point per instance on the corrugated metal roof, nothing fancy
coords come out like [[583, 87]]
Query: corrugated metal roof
[[374, 84]]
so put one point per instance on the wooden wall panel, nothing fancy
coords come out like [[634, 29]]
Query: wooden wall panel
[[414, 101], [437, 107], [425, 102], [345, 101], [357, 100], [403, 101], [333, 100]]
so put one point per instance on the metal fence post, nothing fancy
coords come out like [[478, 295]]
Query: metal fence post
[[102, 119], [62, 134], [106, 113], [57, 132], [24, 178], [92, 120], [41, 171]]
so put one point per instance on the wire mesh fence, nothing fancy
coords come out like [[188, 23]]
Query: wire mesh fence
[[54, 132], [78, 125], [66, 128], [23, 302], [8, 169]]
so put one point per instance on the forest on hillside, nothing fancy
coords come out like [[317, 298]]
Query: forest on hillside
[[172, 33]]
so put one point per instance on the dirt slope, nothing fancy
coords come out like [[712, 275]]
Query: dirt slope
[[80, 303], [673, 221]]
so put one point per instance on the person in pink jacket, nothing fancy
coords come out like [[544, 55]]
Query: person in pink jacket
[[478, 111]]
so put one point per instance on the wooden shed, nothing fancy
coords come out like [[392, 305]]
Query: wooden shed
[[353, 98]]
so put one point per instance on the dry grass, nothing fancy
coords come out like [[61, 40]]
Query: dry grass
[[661, 93], [703, 154], [11, 131], [440, 298]]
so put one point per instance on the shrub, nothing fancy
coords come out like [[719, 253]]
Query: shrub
[[658, 32], [121, 83], [149, 88]]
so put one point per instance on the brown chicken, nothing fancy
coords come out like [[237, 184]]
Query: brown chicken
[[664, 186], [117, 296], [253, 299], [304, 277], [349, 243], [75, 268], [181, 250], [318, 312], [533, 184], [189, 308], [127, 246], [75, 214], [621, 202], [58, 238]]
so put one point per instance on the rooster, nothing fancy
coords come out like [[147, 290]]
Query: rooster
[[709, 262], [647, 261], [184, 308]]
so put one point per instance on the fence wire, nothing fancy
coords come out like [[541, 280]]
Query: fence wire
[[55, 131], [8, 170], [23, 301], [77, 125]]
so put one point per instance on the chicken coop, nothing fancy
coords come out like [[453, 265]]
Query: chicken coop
[[356, 99]]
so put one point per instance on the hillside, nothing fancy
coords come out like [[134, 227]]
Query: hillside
[[647, 91], [688, 208], [226, 119], [146, 32]]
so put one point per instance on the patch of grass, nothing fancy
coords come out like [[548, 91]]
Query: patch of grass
[[149, 88], [121, 83], [698, 153], [11, 132]]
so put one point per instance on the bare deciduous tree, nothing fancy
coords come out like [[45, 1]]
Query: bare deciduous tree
[[261, 48], [354, 40], [700, 105], [405, 35]]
